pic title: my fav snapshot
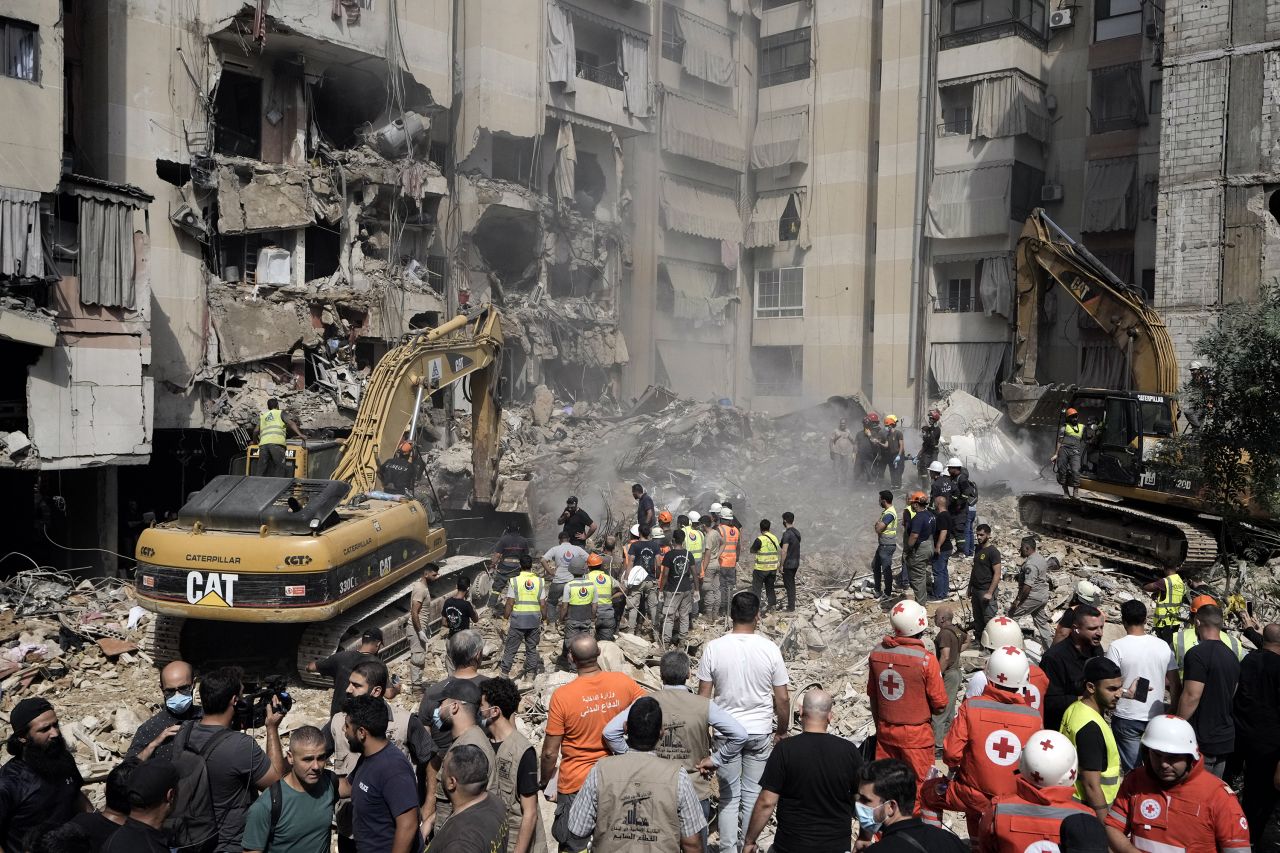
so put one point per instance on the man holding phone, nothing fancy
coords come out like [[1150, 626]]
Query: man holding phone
[[1144, 662]]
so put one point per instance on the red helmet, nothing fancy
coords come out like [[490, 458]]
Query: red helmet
[[872, 417], [935, 415]]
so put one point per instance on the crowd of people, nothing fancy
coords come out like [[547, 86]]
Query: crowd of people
[[1081, 751]]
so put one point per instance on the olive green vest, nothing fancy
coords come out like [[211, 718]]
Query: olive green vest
[[476, 737], [637, 809], [507, 765], [686, 734]]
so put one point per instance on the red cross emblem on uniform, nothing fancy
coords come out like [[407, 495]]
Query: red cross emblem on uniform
[[1150, 808], [1001, 677], [892, 687], [1033, 694], [1003, 747]]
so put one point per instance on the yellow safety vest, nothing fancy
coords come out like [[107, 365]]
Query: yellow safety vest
[[528, 593], [270, 427], [1073, 430], [1169, 608], [1076, 718], [693, 540], [604, 585], [1186, 640], [767, 556], [891, 529]]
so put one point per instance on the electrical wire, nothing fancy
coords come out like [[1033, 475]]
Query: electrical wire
[[101, 550]]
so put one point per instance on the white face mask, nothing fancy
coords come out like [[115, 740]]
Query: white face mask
[[867, 817]]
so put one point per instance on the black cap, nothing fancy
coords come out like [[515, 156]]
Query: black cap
[[26, 711], [1082, 833], [150, 781], [371, 635], [1100, 669], [462, 690], [572, 499]]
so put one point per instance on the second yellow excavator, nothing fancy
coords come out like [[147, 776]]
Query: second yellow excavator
[[272, 562], [1146, 515]]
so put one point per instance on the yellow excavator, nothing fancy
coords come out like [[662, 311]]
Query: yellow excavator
[[253, 565], [1145, 516]]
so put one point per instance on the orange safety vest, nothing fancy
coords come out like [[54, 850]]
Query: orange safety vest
[[729, 549], [1037, 686], [899, 675], [1022, 822]]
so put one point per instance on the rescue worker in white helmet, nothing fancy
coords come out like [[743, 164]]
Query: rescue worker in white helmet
[[1031, 819]]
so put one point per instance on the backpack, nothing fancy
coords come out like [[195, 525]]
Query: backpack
[[968, 489], [192, 826], [277, 805]]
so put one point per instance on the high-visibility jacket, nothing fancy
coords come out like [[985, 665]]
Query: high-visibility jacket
[[1072, 435], [767, 556], [984, 746], [528, 593], [604, 585], [1169, 606], [729, 548], [1186, 640], [693, 541], [1076, 718], [904, 683], [1031, 819], [579, 599], [271, 427], [1198, 813], [890, 534]]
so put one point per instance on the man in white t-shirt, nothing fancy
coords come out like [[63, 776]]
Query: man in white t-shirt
[[1144, 662], [557, 561], [746, 676]]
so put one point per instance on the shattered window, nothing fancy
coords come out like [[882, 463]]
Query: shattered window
[[778, 371], [780, 292], [784, 57], [672, 44], [238, 115], [20, 50]]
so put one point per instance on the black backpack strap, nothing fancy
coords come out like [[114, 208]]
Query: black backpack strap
[[212, 743], [277, 806]]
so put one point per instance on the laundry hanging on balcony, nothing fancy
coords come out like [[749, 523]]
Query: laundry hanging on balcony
[[562, 60]]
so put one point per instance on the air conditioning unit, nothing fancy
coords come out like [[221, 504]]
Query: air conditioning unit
[[1060, 19], [1051, 192]]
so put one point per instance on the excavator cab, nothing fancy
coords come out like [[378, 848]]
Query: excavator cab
[[1123, 432], [310, 458]]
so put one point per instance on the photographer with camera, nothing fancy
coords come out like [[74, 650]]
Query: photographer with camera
[[234, 766]]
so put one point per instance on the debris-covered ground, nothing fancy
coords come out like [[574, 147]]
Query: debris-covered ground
[[77, 642]]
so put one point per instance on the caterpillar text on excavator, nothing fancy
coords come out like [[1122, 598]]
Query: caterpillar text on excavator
[[1140, 514], [256, 566]]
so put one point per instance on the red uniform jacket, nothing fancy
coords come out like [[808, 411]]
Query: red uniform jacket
[[1199, 813], [1037, 686], [905, 686], [1014, 823], [984, 745]]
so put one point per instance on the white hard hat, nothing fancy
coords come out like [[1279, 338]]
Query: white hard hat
[[908, 619], [725, 512], [715, 507], [1048, 760], [935, 466], [954, 462], [1171, 734], [656, 532], [1001, 631], [1008, 667], [1195, 365], [635, 530], [1088, 593], [694, 516]]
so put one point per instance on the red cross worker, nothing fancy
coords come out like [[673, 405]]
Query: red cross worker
[[905, 686], [986, 740], [1029, 819]]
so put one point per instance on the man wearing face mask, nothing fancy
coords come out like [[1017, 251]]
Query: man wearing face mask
[[886, 805], [458, 711], [40, 786], [404, 731], [177, 689]]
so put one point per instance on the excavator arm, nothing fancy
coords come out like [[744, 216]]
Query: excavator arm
[[1046, 256], [464, 347]]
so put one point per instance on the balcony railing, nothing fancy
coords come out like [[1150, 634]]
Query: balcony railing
[[605, 75], [955, 127], [990, 32]]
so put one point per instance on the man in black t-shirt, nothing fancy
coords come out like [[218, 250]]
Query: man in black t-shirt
[[811, 779], [508, 550], [678, 581], [338, 666], [40, 786], [1211, 671], [984, 579], [457, 612], [789, 545], [577, 525], [382, 787], [646, 516], [640, 578], [943, 542]]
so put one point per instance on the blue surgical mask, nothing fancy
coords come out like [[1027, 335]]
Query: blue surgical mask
[[178, 704], [441, 724], [867, 818]]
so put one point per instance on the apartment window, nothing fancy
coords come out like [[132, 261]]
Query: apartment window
[[20, 50], [237, 110], [780, 292], [957, 110], [784, 57], [992, 19], [1155, 95], [672, 44], [1024, 190], [789, 224], [957, 295], [1117, 98], [1113, 19], [512, 159], [778, 371], [777, 4]]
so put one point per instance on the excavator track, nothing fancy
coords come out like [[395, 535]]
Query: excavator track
[[389, 612], [162, 638], [1119, 533]]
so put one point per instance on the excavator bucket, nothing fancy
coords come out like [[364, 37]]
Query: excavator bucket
[[512, 496], [1036, 405]]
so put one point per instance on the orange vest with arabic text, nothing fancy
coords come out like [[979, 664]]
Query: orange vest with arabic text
[[729, 548]]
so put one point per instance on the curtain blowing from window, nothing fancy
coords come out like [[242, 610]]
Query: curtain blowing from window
[[106, 254]]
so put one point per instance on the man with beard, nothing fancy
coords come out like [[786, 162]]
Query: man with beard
[[459, 707], [40, 787], [153, 785], [382, 787], [306, 796], [177, 688]]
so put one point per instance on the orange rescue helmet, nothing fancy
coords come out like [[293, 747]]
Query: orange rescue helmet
[[1202, 600], [406, 447], [594, 560], [664, 517], [917, 497], [1071, 412]]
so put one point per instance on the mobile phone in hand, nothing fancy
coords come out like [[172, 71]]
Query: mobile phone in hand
[[1141, 689]]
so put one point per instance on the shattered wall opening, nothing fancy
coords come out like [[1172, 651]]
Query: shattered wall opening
[[509, 243], [237, 111], [344, 102], [323, 245], [588, 183]]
